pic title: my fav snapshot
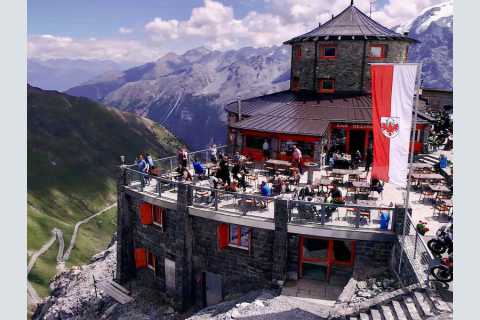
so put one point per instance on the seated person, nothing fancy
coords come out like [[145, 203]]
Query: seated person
[[277, 184], [295, 177], [233, 186], [336, 194], [237, 157], [376, 185], [239, 171], [198, 167], [306, 192], [265, 189]]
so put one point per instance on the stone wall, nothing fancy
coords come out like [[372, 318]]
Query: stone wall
[[373, 254], [241, 270], [350, 69]]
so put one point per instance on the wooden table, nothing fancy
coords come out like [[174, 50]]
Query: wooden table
[[438, 188], [427, 176], [361, 184], [278, 163], [345, 171], [322, 182], [368, 203], [420, 165]]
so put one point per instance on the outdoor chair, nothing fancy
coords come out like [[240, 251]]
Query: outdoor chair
[[440, 209], [427, 193]]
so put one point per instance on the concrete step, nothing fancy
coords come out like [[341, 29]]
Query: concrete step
[[375, 314], [387, 312], [400, 314], [412, 308], [423, 303], [364, 316], [438, 302]]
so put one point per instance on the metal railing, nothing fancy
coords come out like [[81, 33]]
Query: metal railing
[[416, 249], [340, 215], [234, 202]]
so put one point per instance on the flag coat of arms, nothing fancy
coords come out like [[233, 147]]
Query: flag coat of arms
[[393, 87]]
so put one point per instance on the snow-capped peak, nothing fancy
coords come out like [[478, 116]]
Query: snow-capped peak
[[435, 13]]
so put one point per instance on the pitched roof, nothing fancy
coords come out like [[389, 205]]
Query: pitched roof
[[290, 113], [350, 24]]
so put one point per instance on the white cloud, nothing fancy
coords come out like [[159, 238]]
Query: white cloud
[[55, 47], [125, 30], [214, 25]]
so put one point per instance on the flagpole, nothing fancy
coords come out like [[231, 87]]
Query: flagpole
[[412, 145]]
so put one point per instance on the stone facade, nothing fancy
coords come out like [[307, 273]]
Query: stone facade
[[192, 243], [350, 69]]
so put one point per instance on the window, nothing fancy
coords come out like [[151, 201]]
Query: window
[[328, 52], [150, 214], [377, 51], [233, 235], [296, 83], [144, 258], [297, 52], [151, 260], [158, 215], [254, 142], [327, 85]]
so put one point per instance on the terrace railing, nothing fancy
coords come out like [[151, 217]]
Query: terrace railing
[[234, 202], [416, 250], [340, 215]]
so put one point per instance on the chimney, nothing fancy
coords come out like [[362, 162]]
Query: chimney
[[319, 24], [351, 3], [333, 16], [239, 106], [405, 34]]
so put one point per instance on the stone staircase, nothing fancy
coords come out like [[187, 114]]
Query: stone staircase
[[418, 304]]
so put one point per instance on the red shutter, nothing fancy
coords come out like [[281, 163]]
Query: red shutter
[[140, 258], [222, 235], [146, 213]]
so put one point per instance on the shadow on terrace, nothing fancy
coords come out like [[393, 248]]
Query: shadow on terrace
[[307, 195]]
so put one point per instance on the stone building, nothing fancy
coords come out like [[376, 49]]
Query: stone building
[[196, 252], [328, 104]]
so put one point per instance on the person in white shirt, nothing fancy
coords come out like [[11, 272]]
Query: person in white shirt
[[266, 149], [213, 153]]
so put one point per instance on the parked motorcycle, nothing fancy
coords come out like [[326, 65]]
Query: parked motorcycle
[[444, 271], [443, 241]]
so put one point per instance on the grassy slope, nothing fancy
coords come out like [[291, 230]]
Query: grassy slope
[[74, 146]]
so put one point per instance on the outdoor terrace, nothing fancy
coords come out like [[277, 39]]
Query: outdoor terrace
[[361, 213]]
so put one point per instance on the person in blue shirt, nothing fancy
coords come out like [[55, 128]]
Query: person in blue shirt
[[265, 189], [198, 167], [142, 167]]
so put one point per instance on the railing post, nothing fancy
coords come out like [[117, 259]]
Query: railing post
[[216, 199], [323, 213], [357, 218], [415, 248], [171, 165]]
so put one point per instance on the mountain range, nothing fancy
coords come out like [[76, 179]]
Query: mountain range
[[186, 93], [73, 147], [61, 74]]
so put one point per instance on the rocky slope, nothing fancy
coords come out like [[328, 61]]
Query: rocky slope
[[186, 93], [73, 148]]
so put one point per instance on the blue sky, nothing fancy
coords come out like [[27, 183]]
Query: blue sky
[[142, 30]]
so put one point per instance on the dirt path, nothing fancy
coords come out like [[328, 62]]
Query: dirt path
[[42, 250], [57, 234], [66, 256]]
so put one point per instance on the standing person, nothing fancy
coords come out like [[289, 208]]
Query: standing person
[[224, 171], [297, 158], [182, 157], [266, 149], [150, 163], [213, 153], [142, 166], [368, 160]]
